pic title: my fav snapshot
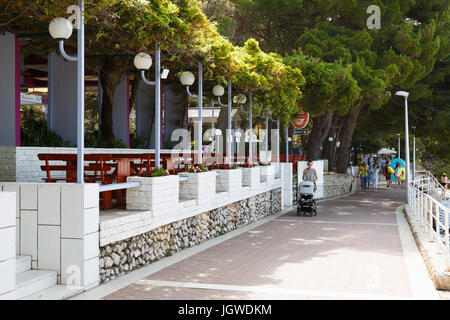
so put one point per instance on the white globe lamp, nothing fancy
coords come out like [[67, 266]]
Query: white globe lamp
[[218, 90], [142, 61], [187, 78], [60, 29]]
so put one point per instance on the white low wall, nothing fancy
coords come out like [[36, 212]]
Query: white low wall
[[7, 242], [57, 225], [21, 164]]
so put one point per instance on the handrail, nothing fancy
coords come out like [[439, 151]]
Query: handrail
[[431, 214], [118, 186]]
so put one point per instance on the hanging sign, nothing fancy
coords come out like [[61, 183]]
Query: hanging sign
[[301, 121], [300, 131]]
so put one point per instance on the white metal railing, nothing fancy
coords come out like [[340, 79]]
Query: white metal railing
[[118, 186], [434, 186], [430, 213]]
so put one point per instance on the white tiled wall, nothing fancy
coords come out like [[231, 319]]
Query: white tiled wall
[[7, 242], [49, 217]]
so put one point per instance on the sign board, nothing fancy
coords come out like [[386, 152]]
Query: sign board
[[304, 131], [302, 120]]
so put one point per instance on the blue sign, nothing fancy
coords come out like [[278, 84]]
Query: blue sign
[[299, 131]]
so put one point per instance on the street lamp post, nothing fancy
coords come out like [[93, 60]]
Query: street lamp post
[[228, 135], [287, 143], [143, 62], [414, 158], [187, 79], [61, 29], [241, 99], [398, 134], [405, 95]]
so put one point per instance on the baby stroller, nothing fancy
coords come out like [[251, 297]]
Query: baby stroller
[[306, 202]]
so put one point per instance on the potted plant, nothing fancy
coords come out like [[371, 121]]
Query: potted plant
[[200, 185], [158, 190]]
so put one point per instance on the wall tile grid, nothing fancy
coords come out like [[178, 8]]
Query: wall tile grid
[[268, 174], [201, 186], [7, 242], [229, 181], [251, 177], [57, 225]]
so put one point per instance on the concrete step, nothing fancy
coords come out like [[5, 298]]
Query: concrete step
[[33, 281], [23, 263], [57, 292]]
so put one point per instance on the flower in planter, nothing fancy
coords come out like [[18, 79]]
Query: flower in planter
[[196, 169], [159, 172], [228, 167]]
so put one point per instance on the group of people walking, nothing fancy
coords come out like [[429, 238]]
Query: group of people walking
[[370, 169]]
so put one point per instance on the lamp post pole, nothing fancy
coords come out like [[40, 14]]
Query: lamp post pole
[[287, 143], [80, 97], [250, 134], [157, 106], [398, 134], [212, 125], [229, 124], [235, 130], [200, 118], [405, 95], [407, 150], [278, 142], [266, 137]]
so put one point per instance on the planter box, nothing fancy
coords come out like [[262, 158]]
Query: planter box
[[200, 186], [157, 194], [229, 181], [251, 177], [268, 174]]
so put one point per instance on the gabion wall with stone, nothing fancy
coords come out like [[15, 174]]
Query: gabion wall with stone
[[123, 256], [294, 189], [336, 185]]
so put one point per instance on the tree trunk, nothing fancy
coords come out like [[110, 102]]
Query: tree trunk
[[329, 147], [321, 126], [134, 86], [346, 136], [110, 75]]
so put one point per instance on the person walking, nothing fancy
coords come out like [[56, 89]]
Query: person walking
[[310, 174], [351, 172], [374, 176], [388, 173], [363, 175], [444, 183], [399, 174]]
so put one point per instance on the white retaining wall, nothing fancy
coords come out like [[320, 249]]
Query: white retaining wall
[[21, 164], [200, 186], [251, 177], [57, 225], [7, 242], [229, 181]]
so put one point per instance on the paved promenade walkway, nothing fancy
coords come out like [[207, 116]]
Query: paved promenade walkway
[[357, 247]]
